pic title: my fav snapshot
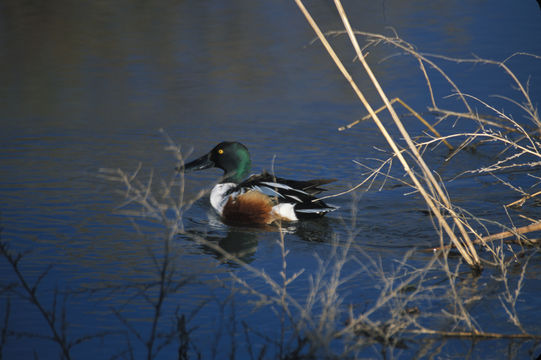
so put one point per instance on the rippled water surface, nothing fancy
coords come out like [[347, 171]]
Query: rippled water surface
[[88, 85]]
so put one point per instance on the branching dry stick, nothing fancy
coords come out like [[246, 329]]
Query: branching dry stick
[[4, 334], [410, 109], [390, 292], [422, 59], [48, 316], [469, 253], [473, 116], [280, 297], [370, 178], [499, 236], [159, 208], [523, 199], [528, 107], [472, 334], [158, 305]]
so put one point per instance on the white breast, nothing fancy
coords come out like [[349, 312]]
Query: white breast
[[218, 198]]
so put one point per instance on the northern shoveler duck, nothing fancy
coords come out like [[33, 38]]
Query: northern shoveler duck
[[259, 199]]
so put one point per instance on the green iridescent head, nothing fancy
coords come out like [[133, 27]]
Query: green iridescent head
[[230, 156]]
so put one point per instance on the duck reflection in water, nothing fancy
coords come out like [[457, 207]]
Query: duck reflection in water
[[242, 242]]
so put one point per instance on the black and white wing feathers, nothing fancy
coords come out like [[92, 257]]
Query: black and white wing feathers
[[299, 193]]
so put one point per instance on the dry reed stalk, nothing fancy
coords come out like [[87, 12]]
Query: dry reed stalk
[[522, 200], [528, 106], [392, 296], [409, 49], [499, 236], [410, 109], [472, 334], [469, 254], [467, 250], [472, 116]]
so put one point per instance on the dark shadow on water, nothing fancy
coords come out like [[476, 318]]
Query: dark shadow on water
[[318, 230], [242, 241], [241, 244]]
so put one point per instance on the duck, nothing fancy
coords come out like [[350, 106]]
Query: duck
[[261, 199]]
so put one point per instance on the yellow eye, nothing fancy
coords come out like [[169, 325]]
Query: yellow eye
[[221, 151]]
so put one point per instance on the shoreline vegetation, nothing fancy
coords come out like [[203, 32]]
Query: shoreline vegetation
[[417, 310]]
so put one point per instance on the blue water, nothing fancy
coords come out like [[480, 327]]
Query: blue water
[[87, 85]]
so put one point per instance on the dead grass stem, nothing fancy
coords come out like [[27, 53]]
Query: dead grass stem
[[464, 245]]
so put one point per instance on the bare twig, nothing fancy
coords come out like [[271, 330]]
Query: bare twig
[[467, 249], [499, 236], [30, 290]]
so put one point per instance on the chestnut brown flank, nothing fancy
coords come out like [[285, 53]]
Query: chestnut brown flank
[[252, 207]]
